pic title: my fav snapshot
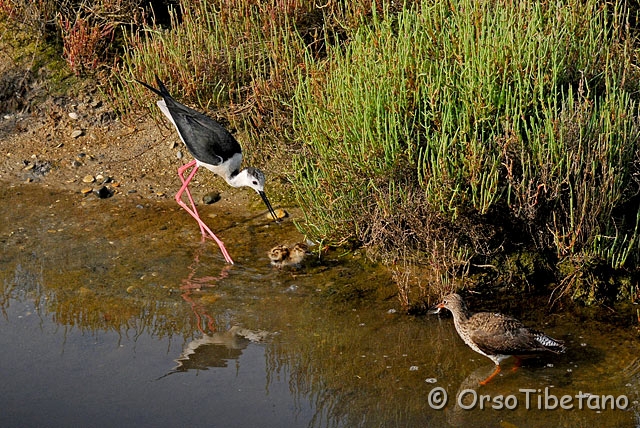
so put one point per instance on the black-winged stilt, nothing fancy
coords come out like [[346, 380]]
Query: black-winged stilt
[[212, 147]]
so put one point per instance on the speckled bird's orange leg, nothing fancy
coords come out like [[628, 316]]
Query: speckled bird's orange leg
[[517, 364], [491, 376]]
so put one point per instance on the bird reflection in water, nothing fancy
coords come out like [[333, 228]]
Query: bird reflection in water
[[192, 284], [215, 348]]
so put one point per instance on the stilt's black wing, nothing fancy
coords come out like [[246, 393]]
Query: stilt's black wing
[[207, 140]]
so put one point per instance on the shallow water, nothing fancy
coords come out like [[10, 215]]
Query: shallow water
[[114, 314]]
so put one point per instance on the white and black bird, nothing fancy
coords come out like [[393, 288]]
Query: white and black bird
[[212, 147]]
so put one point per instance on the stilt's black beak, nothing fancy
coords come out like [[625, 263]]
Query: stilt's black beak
[[268, 204]]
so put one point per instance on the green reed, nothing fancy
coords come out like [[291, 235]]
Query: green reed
[[488, 107]]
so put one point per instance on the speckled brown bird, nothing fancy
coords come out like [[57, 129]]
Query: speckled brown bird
[[298, 253], [497, 336], [278, 255], [283, 256]]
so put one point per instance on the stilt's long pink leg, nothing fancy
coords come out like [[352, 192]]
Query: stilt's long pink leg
[[194, 213], [181, 171]]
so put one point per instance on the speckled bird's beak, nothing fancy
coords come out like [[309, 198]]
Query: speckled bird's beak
[[436, 309]]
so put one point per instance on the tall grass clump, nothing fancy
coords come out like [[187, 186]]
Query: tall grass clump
[[480, 127], [234, 55], [212, 50], [352, 114]]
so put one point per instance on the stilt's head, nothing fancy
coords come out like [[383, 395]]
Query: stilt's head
[[254, 178]]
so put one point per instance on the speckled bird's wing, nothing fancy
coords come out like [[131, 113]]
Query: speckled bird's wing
[[501, 334]]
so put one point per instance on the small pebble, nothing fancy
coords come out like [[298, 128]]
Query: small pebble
[[77, 133], [86, 190], [104, 192], [179, 154], [413, 368], [73, 115], [88, 179], [280, 214], [211, 197]]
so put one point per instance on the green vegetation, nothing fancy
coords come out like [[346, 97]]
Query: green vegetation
[[512, 126], [443, 136]]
